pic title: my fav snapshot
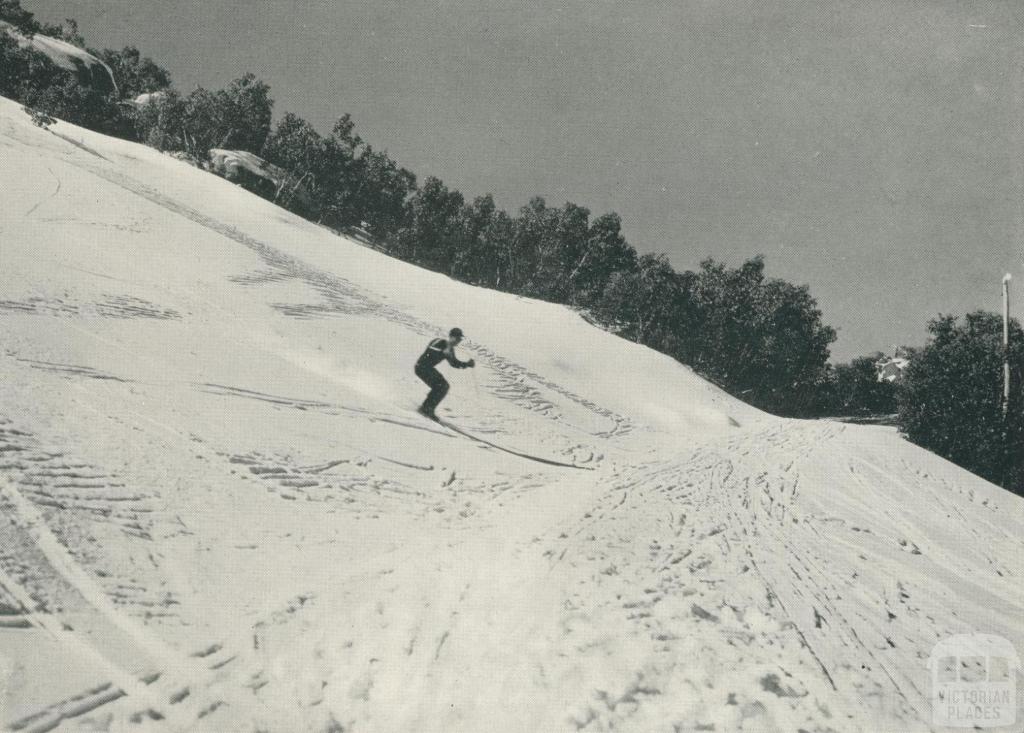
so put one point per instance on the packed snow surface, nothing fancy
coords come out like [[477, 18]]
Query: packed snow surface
[[219, 510]]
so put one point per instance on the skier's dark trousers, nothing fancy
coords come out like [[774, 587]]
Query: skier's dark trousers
[[437, 351]]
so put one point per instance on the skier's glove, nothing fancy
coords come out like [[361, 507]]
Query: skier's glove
[[472, 363]]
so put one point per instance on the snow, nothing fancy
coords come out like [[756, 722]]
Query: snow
[[235, 164], [89, 69], [147, 98], [219, 511], [892, 369]]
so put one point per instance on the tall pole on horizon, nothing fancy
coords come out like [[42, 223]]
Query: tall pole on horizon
[[1007, 449], [1006, 344]]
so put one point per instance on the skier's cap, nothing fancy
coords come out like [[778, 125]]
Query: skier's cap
[[455, 333]]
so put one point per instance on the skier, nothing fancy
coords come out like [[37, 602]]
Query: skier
[[437, 351]]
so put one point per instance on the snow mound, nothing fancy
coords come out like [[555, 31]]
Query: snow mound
[[89, 69], [250, 170], [219, 510], [147, 98]]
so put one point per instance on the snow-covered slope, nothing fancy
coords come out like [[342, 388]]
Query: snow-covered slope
[[218, 510]]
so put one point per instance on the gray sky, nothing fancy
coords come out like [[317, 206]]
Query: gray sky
[[870, 149]]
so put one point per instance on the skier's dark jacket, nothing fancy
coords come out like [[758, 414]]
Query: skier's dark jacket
[[437, 351]]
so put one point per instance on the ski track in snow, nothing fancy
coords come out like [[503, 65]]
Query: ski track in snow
[[218, 544]]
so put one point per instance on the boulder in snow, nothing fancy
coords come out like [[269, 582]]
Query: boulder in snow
[[90, 70], [148, 98], [257, 175]]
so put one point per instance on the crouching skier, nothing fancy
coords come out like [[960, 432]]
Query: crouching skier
[[437, 351]]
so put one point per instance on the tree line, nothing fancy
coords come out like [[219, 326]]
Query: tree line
[[760, 338]]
